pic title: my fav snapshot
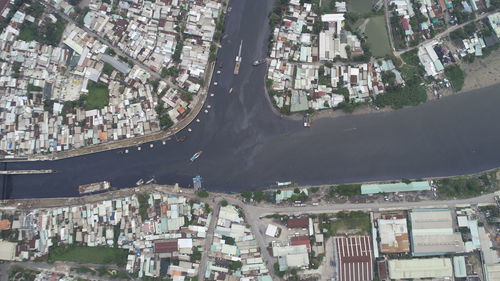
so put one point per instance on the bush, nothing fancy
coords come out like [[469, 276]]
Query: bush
[[202, 194]]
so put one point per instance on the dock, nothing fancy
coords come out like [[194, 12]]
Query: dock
[[27, 172]]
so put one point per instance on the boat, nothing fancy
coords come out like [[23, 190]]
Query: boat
[[94, 187], [139, 182], [231, 90], [152, 180], [287, 183], [195, 156], [258, 62], [181, 139]]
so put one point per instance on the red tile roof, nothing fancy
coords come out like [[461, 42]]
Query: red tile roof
[[302, 222], [166, 246], [301, 240]]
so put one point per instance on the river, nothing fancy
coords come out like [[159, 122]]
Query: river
[[246, 146]]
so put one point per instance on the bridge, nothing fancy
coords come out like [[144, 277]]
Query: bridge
[[27, 172]]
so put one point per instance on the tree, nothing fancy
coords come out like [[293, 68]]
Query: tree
[[235, 265], [247, 195], [223, 203]]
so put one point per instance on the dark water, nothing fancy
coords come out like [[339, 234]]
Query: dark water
[[245, 145]]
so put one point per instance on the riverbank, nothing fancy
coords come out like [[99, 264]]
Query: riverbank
[[492, 177], [481, 73]]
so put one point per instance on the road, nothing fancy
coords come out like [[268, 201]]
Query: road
[[208, 240], [444, 33], [388, 23]]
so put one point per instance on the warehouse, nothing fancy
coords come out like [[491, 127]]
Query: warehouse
[[420, 268], [433, 234], [355, 258], [395, 187]]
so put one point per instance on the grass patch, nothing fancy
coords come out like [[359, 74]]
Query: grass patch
[[345, 190], [356, 222], [98, 96], [456, 76], [359, 6], [378, 37], [85, 254]]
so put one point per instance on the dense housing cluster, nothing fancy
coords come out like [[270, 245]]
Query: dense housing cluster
[[308, 69], [160, 234], [234, 253], [72, 83]]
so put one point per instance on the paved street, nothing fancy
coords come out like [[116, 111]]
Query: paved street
[[208, 241]]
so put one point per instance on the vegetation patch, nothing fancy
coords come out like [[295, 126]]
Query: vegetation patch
[[346, 222], [345, 190], [143, 199], [18, 273], [378, 37], [85, 254], [48, 33], [98, 96], [466, 186], [456, 76]]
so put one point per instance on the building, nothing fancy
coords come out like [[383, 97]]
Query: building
[[395, 187], [421, 268], [302, 222], [355, 258], [432, 233], [393, 235], [459, 267], [301, 240], [7, 250], [272, 230], [492, 272], [291, 256], [495, 23]]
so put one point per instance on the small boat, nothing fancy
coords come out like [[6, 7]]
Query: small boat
[[195, 156], [258, 62], [231, 90], [152, 180], [139, 182], [181, 139]]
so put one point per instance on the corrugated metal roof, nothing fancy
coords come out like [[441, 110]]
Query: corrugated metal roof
[[459, 266], [395, 187]]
